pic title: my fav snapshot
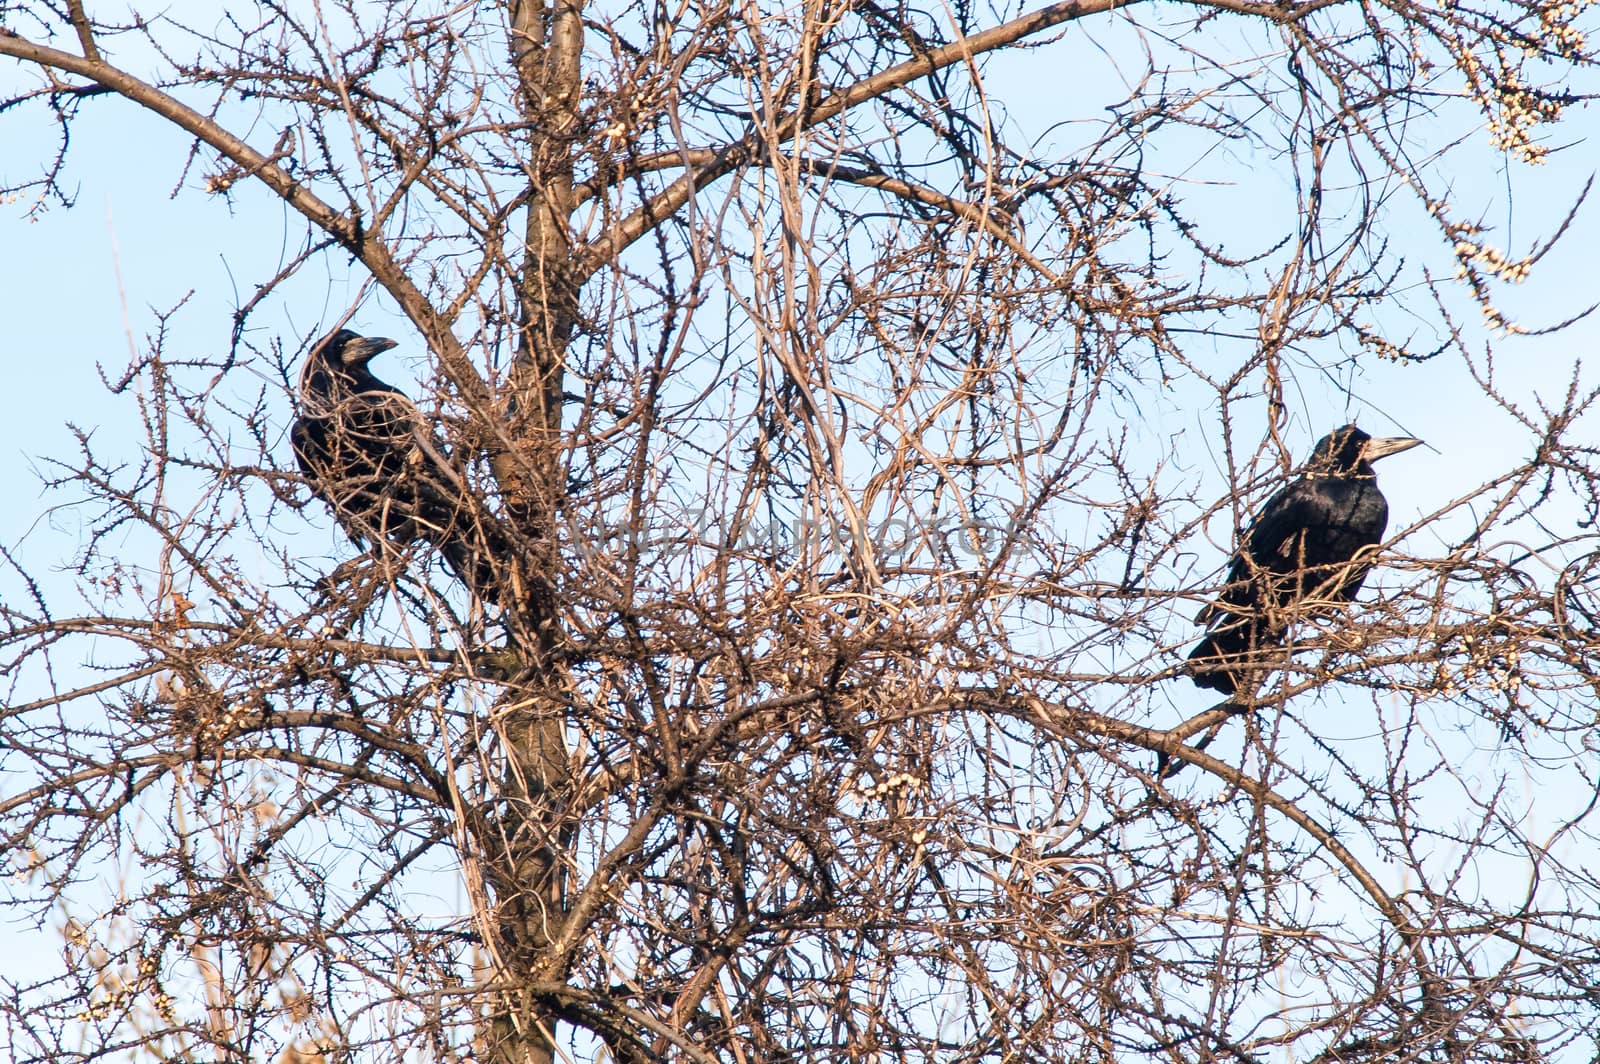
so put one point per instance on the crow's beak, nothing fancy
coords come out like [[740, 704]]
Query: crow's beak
[[360, 352], [1382, 447]]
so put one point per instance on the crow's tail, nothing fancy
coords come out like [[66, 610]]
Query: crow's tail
[[1221, 658]]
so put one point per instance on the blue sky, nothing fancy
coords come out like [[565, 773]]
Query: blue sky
[[81, 288]]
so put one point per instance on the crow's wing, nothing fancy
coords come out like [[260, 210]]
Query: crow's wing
[[377, 427], [438, 495], [306, 436], [1319, 533], [1276, 539], [373, 456], [1271, 543]]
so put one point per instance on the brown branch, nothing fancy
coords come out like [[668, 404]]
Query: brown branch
[[1068, 723], [598, 1012], [196, 124], [133, 629], [169, 761], [80, 22], [989, 219], [373, 253], [743, 151]]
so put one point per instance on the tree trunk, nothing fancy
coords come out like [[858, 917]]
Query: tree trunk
[[546, 46]]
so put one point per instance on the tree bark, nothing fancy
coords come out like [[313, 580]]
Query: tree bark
[[546, 42]]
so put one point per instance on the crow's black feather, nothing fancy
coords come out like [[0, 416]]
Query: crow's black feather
[[369, 454], [1312, 544]]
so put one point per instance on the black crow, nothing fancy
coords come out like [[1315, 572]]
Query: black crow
[[371, 456], [1311, 544]]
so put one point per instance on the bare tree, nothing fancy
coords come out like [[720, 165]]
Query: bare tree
[[815, 712]]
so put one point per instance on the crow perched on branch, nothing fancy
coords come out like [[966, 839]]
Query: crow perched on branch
[[1311, 544], [369, 454]]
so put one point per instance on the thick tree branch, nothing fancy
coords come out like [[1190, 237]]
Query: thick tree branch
[[373, 253]]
